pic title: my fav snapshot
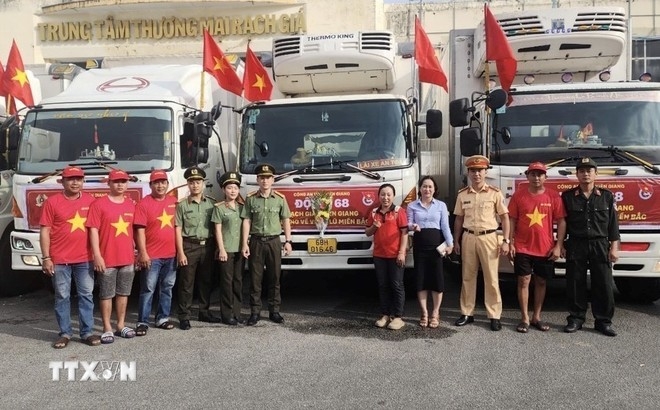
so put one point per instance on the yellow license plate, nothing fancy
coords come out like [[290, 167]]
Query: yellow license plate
[[321, 246]]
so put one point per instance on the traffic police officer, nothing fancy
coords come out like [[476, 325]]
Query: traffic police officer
[[593, 242], [265, 215], [477, 207], [194, 248]]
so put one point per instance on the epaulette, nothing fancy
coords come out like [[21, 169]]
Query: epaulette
[[253, 193], [494, 188], [463, 189], [219, 203], [278, 194], [211, 198]]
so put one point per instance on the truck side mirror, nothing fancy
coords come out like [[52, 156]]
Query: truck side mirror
[[459, 112], [202, 155], [433, 124], [204, 125], [496, 99], [470, 141]]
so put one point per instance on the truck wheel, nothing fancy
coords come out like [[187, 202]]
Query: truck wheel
[[13, 282], [639, 290]]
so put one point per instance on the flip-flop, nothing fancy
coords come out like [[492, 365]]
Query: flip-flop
[[126, 332], [92, 340], [141, 330], [540, 325], [522, 327], [61, 343], [167, 325], [107, 338]]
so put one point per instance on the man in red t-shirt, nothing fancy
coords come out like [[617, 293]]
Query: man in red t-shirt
[[66, 255], [533, 210], [110, 224], [154, 237]]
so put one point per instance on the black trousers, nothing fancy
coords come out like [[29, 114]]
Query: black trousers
[[592, 255], [268, 254], [391, 292], [200, 269], [231, 285]]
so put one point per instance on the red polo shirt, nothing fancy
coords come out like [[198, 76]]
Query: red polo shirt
[[387, 238]]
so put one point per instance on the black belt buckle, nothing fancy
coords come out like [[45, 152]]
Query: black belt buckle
[[196, 241], [479, 233]]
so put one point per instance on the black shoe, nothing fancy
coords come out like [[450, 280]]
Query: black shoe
[[572, 326], [239, 320], [184, 324], [464, 320], [209, 318], [495, 325], [254, 318], [276, 317], [605, 329], [231, 321]]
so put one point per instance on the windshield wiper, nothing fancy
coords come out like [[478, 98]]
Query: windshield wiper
[[83, 165], [624, 155], [315, 169]]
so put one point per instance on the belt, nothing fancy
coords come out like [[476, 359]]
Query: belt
[[265, 238], [479, 233], [196, 241]]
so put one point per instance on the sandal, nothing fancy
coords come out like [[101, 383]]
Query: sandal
[[424, 320], [61, 343], [141, 330], [522, 327], [107, 338], [540, 325], [92, 340], [126, 332], [435, 322], [167, 325]]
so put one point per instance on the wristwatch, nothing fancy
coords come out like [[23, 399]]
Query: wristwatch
[[507, 241], [289, 242]]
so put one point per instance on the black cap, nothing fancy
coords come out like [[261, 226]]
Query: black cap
[[194, 172], [230, 178], [265, 170], [586, 163]]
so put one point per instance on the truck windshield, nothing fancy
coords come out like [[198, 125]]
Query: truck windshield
[[371, 134], [549, 127], [137, 139]]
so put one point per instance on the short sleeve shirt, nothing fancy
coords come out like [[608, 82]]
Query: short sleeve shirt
[[230, 222], [534, 215], [265, 213], [157, 219], [592, 218], [387, 238], [480, 208], [115, 224], [66, 219], [194, 218]]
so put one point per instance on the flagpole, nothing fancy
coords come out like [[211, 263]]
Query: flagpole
[[487, 86], [201, 93]]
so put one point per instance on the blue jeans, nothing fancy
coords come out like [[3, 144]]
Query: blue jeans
[[162, 273], [83, 276]]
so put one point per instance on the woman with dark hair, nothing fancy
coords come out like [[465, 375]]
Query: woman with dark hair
[[428, 219]]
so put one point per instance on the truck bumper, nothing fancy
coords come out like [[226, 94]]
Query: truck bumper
[[25, 250]]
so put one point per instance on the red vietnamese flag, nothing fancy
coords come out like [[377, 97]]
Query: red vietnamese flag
[[430, 70], [499, 50], [15, 81], [256, 83], [216, 64], [10, 103]]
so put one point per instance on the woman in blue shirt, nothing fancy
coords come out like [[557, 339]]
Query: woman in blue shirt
[[428, 219]]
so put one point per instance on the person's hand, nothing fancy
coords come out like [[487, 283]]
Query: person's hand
[[512, 252], [449, 250], [287, 249], [504, 249], [222, 256], [144, 261], [416, 228], [245, 251], [377, 223], [401, 259], [613, 256], [182, 259], [555, 253], [457, 248], [99, 264], [48, 267]]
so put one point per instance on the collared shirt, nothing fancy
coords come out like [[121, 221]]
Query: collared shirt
[[265, 213], [436, 216], [480, 209], [194, 218], [591, 218], [230, 220], [387, 238]]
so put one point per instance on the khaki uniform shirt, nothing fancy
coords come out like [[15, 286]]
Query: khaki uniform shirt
[[194, 218], [480, 209], [230, 219], [265, 213]]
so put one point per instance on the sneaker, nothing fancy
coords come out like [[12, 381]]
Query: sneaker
[[396, 324], [382, 322]]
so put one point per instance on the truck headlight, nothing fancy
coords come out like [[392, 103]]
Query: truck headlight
[[21, 244]]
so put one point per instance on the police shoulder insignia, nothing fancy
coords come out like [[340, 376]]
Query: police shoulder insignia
[[463, 189], [281, 195], [253, 193], [210, 198], [219, 203], [494, 188]]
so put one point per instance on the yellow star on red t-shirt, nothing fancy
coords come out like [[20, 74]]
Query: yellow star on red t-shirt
[[536, 218], [121, 226], [165, 220], [77, 222]]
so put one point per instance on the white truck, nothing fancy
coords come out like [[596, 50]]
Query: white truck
[[347, 124], [135, 118], [571, 99]]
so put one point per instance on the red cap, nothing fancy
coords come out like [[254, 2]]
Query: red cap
[[157, 175], [118, 175], [73, 172], [537, 166]]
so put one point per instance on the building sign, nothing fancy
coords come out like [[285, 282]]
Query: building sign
[[171, 27]]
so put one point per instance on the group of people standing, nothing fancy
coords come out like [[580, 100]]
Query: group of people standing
[[587, 236], [88, 240]]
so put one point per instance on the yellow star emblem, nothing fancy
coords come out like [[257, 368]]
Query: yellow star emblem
[[21, 77], [220, 64], [259, 82], [536, 218], [165, 220], [121, 226], [77, 222]]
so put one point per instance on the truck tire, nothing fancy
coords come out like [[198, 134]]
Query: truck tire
[[639, 290], [13, 282]]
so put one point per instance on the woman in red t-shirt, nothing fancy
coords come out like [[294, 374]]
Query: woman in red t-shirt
[[389, 226]]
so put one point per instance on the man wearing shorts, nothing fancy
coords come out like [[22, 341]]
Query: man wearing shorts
[[533, 209], [110, 224]]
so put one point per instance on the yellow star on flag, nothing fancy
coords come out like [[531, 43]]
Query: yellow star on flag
[[21, 77], [259, 82], [121, 226], [536, 217], [165, 220], [77, 222], [220, 64]]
